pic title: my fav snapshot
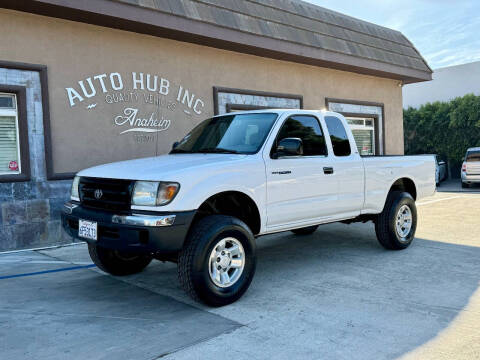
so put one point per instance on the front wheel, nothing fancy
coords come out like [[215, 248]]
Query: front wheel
[[218, 260], [116, 262], [395, 226]]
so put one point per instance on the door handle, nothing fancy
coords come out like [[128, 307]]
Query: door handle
[[328, 170]]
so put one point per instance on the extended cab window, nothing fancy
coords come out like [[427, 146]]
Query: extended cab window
[[306, 128], [338, 136]]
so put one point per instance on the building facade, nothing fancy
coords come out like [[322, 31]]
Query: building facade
[[89, 82], [448, 83]]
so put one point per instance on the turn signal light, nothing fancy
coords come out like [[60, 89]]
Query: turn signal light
[[167, 192], [170, 191]]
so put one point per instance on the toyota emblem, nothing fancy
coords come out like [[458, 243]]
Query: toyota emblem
[[98, 194]]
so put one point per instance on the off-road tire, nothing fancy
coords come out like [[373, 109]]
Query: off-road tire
[[193, 260], [118, 263], [385, 222], [306, 230]]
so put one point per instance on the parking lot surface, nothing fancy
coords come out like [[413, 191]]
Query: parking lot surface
[[336, 294]]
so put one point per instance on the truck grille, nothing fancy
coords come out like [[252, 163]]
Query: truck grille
[[106, 194]]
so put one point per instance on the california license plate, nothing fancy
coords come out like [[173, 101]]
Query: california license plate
[[87, 229]]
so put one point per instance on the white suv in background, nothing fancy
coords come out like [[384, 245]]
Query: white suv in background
[[471, 167]]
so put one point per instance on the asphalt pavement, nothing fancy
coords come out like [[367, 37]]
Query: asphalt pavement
[[335, 294]]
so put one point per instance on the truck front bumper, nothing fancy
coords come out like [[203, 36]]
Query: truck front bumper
[[143, 232]]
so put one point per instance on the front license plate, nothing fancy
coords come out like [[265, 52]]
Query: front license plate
[[87, 229]]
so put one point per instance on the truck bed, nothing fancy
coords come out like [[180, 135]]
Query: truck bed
[[381, 171]]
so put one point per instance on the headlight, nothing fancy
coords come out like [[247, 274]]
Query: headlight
[[153, 193], [75, 195]]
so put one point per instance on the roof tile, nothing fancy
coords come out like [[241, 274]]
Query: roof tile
[[299, 22]]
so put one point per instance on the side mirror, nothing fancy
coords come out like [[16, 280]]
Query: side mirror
[[175, 144], [441, 162], [290, 147]]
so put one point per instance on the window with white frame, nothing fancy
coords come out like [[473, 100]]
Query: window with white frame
[[363, 130], [10, 163]]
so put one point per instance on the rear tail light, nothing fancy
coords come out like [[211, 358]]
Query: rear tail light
[[464, 167]]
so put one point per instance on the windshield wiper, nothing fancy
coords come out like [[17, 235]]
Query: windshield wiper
[[217, 151]]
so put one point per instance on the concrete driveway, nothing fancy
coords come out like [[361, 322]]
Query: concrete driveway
[[455, 185], [335, 294]]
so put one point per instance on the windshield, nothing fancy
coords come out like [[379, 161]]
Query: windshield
[[473, 155], [230, 134]]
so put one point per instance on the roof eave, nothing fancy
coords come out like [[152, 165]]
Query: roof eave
[[146, 21]]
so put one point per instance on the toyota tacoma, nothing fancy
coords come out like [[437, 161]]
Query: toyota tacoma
[[232, 179]]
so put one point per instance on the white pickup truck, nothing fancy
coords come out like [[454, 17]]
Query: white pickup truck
[[232, 179]]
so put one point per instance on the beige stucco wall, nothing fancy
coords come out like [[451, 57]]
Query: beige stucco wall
[[84, 137]]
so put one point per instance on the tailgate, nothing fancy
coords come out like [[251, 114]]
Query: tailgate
[[473, 168]]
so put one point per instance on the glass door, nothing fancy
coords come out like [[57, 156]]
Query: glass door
[[9, 136]]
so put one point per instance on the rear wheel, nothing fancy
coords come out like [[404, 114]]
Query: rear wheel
[[218, 260], [306, 230], [395, 226], [118, 263]]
